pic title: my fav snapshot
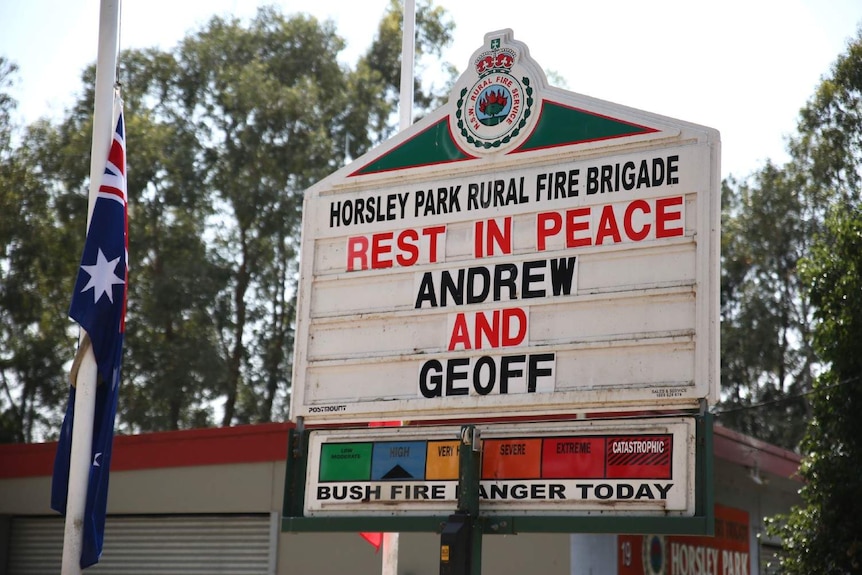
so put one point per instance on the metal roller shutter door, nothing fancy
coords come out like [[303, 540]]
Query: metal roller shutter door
[[159, 545]]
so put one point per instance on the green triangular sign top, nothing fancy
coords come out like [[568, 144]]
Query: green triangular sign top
[[558, 125], [561, 125], [432, 146]]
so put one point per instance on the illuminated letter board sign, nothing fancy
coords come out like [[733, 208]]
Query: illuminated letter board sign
[[523, 250]]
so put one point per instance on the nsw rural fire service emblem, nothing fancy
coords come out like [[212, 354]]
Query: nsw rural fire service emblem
[[496, 109]]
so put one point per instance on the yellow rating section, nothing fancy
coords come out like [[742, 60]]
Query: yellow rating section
[[441, 461]]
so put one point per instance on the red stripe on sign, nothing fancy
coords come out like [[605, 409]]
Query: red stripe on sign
[[639, 457]]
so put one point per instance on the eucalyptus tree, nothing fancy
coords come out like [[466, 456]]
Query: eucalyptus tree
[[823, 534], [770, 220], [233, 124], [224, 132], [767, 361], [34, 280], [272, 105]]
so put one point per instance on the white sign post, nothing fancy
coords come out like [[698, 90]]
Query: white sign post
[[521, 251]]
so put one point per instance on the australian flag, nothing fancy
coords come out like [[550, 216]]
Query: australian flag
[[99, 306]]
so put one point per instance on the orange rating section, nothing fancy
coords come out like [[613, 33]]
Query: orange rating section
[[512, 458], [442, 460], [573, 458], [639, 457]]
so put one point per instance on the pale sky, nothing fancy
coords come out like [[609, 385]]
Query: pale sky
[[743, 67]]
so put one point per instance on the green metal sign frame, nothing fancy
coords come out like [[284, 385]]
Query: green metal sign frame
[[701, 523]]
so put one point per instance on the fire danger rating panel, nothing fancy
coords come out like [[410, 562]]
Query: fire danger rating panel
[[641, 456], [555, 468]]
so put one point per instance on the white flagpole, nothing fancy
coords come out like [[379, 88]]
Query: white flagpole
[[85, 393], [408, 41]]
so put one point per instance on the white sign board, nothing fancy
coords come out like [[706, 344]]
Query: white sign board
[[523, 250], [580, 468]]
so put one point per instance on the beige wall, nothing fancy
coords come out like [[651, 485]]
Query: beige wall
[[347, 553], [25, 496], [240, 488], [258, 488]]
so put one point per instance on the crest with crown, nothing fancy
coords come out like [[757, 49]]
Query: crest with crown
[[495, 60], [495, 96]]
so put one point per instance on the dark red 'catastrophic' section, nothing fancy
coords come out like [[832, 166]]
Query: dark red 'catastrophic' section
[[639, 457]]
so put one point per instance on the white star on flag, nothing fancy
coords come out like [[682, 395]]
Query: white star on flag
[[102, 277]]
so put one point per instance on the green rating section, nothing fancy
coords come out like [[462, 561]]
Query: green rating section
[[345, 461]]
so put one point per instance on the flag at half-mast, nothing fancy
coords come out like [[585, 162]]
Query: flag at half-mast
[[99, 307]]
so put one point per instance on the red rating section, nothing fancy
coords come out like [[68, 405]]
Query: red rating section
[[511, 458], [639, 457], [573, 457], [648, 456]]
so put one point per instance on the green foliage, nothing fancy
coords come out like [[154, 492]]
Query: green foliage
[[825, 534], [35, 280], [766, 356], [768, 225], [828, 145], [7, 104], [224, 134], [375, 84]]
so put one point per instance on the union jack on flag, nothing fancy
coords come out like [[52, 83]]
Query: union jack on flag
[[99, 307]]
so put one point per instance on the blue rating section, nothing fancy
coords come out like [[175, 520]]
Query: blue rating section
[[394, 460]]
